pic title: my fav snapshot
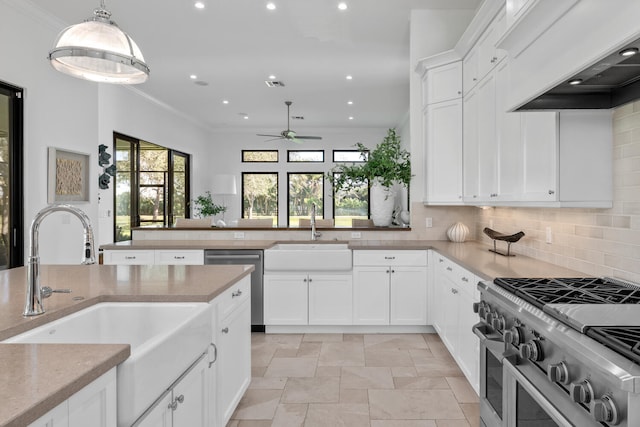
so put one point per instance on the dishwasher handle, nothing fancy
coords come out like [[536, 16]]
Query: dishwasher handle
[[232, 256]]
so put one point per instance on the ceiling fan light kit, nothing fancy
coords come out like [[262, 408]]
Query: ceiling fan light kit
[[98, 50], [288, 134]]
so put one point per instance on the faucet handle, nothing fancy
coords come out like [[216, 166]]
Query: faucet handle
[[46, 291]]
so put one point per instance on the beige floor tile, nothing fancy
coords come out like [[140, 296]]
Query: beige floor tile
[[354, 396], [258, 371], [261, 354], [421, 383], [462, 390], [387, 357], [253, 423], [420, 356], [273, 383], [290, 415], [394, 341], [309, 349], [291, 367], [413, 405], [403, 423], [452, 423], [286, 352], [312, 390], [341, 354], [366, 377], [472, 412], [337, 414], [402, 371], [258, 405], [429, 338], [353, 338], [439, 368], [328, 371], [232, 423], [284, 340], [322, 338], [438, 349]]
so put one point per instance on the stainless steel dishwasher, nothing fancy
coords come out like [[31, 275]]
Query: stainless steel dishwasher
[[244, 257]]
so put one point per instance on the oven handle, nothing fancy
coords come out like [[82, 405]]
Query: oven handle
[[494, 343]]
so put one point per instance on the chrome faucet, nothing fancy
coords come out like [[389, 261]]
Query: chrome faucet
[[35, 294], [314, 234]]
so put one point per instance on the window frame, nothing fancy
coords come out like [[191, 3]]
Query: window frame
[[333, 156], [333, 201], [260, 161], [289, 194], [242, 174], [305, 161]]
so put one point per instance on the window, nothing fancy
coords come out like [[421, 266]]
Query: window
[[11, 184], [151, 185], [304, 189], [350, 204], [263, 156], [260, 195], [352, 156], [308, 156]]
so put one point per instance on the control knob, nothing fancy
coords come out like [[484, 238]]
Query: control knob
[[604, 410], [558, 373], [532, 350], [477, 305], [498, 323], [490, 316], [581, 392], [514, 336]]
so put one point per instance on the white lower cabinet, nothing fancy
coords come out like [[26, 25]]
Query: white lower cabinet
[[330, 299], [94, 405], [286, 299], [455, 291], [185, 403], [153, 257], [371, 295]]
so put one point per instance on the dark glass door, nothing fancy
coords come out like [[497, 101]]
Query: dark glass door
[[493, 385], [529, 413]]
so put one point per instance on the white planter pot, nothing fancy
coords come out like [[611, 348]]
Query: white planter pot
[[382, 204]]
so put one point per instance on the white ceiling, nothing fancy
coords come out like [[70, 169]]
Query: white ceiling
[[234, 45]]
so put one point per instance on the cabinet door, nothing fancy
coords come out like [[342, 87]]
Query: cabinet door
[[540, 155], [437, 303], [140, 257], [285, 299], [451, 327], [470, 147], [192, 397], [330, 299], [184, 257], [408, 296], [371, 295], [57, 417], [444, 83], [96, 403], [470, 71], [234, 360], [444, 152], [160, 415], [469, 344], [487, 144]]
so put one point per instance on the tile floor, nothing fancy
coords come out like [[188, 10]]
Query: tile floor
[[352, 380]]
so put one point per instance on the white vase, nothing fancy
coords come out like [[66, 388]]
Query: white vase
[[458, 232], [382, 203]]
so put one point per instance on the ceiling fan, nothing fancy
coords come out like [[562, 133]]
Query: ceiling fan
[[288, 134]]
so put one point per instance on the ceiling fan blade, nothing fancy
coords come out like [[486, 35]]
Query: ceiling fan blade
[[273, 139], [308, 137], [273, 136]]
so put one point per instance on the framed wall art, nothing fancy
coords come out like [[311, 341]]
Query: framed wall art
[[67, 176]]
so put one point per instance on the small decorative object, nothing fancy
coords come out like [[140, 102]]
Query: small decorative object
[[68, 176], [509, 238], [405, 217], [220, 223], [107, 171], [205, 207], [384, 166], [458, 232]]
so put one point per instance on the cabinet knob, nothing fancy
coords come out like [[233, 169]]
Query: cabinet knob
[[552, 192], [310, 280], [393, 271], [236, 294], [475, 79], [464, 279], [180, 398], [449, 269], [225, 330], [304, 280], [173, 405], [459, 92], [440, 260], [454, 291]]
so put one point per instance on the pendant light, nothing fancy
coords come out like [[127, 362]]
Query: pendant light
[[99, 51]]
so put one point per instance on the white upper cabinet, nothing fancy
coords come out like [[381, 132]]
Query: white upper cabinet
[[540, 157], [442, 83], [470, 71], [487, 142], [488, 55], [470, 146]]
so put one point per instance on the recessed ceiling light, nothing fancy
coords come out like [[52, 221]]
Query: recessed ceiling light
[[199, 5], [350, 102], [246, 117], [629, 51], [272, 77], [349, 77], [575, 82], [342, 6], [224, 101], [271, 6], [350, 117], [193, 77]]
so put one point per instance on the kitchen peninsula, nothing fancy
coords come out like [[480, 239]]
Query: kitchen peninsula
[[35, 378]]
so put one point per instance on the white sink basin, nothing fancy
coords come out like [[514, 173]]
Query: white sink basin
[[165, 339], [308, 257]]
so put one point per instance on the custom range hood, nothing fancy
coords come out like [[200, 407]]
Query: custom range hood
[[610, 82]]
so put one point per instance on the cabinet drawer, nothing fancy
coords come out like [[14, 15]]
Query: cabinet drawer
[[185, 257], [460, 276], [129, 257], [390, 258], [234, 296]]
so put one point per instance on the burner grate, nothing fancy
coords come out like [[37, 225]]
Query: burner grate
[[622, 339]]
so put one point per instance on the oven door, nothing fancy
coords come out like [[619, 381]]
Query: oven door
[[532, 400], [491, 376]]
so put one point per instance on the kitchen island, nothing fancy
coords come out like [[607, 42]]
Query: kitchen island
[[34, 378]]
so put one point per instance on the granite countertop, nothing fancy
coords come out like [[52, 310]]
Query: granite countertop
[[34, 378]]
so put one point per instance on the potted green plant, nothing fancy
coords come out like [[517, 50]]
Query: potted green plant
[[205, 207], [387, 164]]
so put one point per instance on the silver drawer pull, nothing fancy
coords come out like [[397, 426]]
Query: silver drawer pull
[[236, 294], [449, 269], [440, 260], [454, 291], [215, 354], [464, 279], [225, 330], [129, 257], [180, 398], [178, 257], [389, 257]]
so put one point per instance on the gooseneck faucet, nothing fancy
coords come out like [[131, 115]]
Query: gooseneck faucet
[[314, 234], [35, 294]]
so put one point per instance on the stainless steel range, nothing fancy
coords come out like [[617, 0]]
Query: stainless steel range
[[559, 352]]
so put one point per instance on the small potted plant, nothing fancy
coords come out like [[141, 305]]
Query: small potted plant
[[387, 164], [205, 207]]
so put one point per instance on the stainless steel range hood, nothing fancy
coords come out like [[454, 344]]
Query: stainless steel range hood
[[610, 82]]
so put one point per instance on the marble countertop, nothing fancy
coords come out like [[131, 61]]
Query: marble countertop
[[34, 378]]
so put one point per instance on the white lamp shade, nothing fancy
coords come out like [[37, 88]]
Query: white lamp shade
[[224, 184]]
